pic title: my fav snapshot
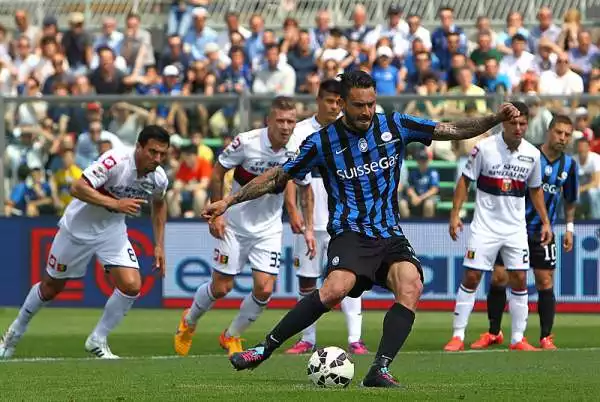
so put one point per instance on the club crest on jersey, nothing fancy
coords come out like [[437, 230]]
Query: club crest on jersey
[[386, 136], [335, 261], [61, 268], [548, 170], [296, 262], [109, 162], [471, 254], [362, 145], [506, 185], [563, 175]]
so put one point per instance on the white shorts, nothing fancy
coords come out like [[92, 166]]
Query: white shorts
[[482, 251], [70, 257], [305, 267], [234, 251]]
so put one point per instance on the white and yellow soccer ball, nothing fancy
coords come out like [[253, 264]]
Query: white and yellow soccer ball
[[330, 367]]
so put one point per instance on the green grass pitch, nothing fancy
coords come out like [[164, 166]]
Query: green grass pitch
[[151, 372]]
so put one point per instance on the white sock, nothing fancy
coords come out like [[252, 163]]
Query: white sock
[[352, 309], [309, 334], [203, 301], [116, 308], [32, 304], [250, 310], [519, 310], [465, 300]]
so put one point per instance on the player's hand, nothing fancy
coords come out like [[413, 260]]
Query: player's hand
[[311, 243], [546, 234], [568, 241], [130, 206], [508, 112], [159, 261], [211, 211], [216, 227], [456, 226], [296, 222]]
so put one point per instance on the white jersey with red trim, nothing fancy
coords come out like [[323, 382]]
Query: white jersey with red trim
[[251, 155], [321, 212], [502, 178], [113, 174]]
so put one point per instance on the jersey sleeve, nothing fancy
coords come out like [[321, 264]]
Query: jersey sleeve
[[473, 167], [535, 177], [571, 186], [414, 129], [162, 183], [233, 155], [306, 158], [102, 169]]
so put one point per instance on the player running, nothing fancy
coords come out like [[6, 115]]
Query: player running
[[309, 270], [559, 174], [250, 232], [503, 166], [359, 157], [115, 185]]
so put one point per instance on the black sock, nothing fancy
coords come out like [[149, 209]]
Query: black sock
[[397, 324], [546, 310], [496, 300], [308, 310]]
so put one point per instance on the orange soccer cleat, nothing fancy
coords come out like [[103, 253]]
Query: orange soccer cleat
[[547, 343], [455, 345], [486, 340], [183, 336], [523, 345], [232, 344]]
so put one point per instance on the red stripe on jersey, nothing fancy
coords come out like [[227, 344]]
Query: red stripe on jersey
[[242, 176], [501, 186]]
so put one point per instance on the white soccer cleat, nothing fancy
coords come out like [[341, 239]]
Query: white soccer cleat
[[99, 348], [8, 343]]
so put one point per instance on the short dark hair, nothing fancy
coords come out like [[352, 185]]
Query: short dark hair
[[153, 132], [331, 86], [560, 119], [429, 76], [519, 37], [236, 49], [445, 8], [283, 103], [190, 149], [522, 108], [271, 46], [355, 79], [582, 139]]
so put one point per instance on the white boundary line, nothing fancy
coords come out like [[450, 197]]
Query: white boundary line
[[171, 357]]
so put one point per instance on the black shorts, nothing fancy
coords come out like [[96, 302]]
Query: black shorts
[[370, 259], [540, 257]]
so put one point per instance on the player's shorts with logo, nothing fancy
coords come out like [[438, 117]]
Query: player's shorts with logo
[[482, 251], [305, 267], [540, 257], [370, 259], [69, 256], [234, 250]]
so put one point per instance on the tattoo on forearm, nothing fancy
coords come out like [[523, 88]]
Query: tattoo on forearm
[[271, 181], [307, 202], [464, 129]]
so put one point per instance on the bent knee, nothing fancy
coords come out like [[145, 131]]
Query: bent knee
[[130, 287], [544, 279], [220, 288], [471, 279], [50, 288]]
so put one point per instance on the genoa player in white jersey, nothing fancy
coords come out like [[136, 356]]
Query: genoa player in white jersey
[[504, 167], [250, 232], [115, 185], [309, 270]]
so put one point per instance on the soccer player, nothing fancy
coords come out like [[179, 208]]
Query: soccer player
[[115, 185], [359, 157], [504, 166], [250, 232], [309, 270], [559, 174]]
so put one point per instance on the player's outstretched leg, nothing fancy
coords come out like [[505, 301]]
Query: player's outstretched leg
[[39, 295], [308, 340], [336, 286], [128, 284], [544, 281], [406, 283], [519, 310], [352, 309], [465, 300], [496, 301]]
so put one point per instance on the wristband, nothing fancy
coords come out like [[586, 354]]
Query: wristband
[[570, 227]]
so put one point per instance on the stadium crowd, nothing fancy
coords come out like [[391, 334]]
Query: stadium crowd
[[50, 143]]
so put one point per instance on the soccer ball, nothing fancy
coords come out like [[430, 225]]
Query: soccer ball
[[330, 367]]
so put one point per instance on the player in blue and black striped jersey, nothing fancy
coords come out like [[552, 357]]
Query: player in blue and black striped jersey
[[359, 157], [559, 179]]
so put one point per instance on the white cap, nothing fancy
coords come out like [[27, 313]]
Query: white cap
[[385, 51], [211, 47], [170, 71], [581, 111], [200, 12]]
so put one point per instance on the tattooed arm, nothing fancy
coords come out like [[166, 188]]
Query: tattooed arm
[[273, 180], [469, 128]]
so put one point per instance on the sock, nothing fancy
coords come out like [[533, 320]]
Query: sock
[[352, 309], [203, 301], [397, 325], [496, 300], [250, 309], [309, 334], [115, 309], [32, 304], [307, 311], [519, 310], [546, 311], [465, 300]]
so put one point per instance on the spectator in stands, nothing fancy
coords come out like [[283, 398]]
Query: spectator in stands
[[518, 63], [109, 36], [589, 180], [582, 56], [62, 179], [545, 29], [175, 55], [216, 60], [417, 31], [180, 18], [204, 151], [77, 44], [302, 59], [432, 109], [439, 37], [562, 81], [491, 80], [450, 77], [61, 74], [40, 195], [466, 87], [44, 67], [232, 21], [453, 47], [387, 77], [172, 113], [23, 28], [143, 40], [87, 149], [189, 192], [50, 28], [107, 78], [483, 24], [291, 35], [200, 34], [275, 78], [545, 58], [396, 30], [4, 45], [60, 112], [409, 65], [268, 39], [24, 61], [254, 44], [422, 191], [127, 121], [484, 51], [514, 26], [319, 34], [570, 30], [16, 205], [31, 112], [539, 121], [359, 29]]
